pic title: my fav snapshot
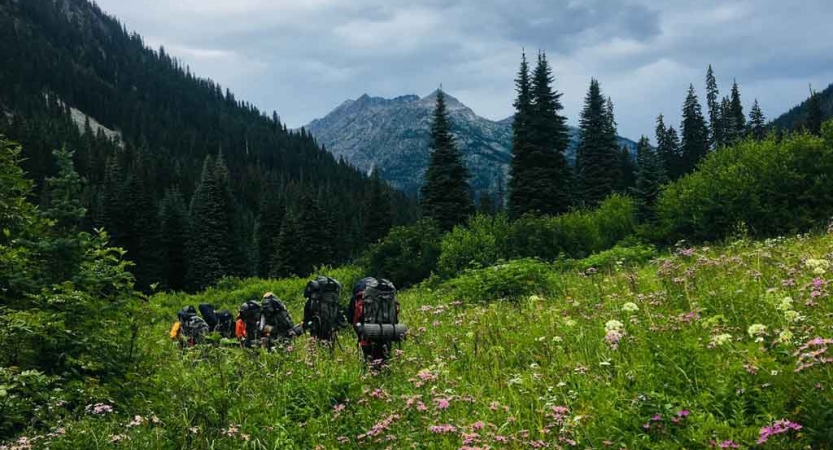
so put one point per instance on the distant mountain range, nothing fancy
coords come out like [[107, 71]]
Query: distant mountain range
[[391, 136]]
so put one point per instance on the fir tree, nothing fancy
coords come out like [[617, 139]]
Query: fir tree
[[757, 122], [61, 248], [627, 167], [521, 185], [738, 119], [378, 210], [285, 257], [695, 135], [540, 176], [209, 250], [312, 237], [598, 157], [650, 176], [668, 148], [140, 234], [445, 195], [269, 225], [812, 123], [715, 119], [175, 230]]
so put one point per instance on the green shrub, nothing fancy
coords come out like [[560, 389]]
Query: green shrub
[[407, 255], [620, 255], [769, 187], [483, 242], [511, 281]]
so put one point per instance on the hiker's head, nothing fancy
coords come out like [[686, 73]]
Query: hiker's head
[[269, 295]]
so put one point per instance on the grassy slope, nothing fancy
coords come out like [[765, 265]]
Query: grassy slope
[[535, 373]]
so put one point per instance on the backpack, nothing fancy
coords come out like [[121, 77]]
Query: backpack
[[378, 312], [194, 328], [276, 316], [225, 324], [322, 312], [209, 315], [250, 311]]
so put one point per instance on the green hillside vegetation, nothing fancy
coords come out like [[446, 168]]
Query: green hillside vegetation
[[703, 346], [594, 342]]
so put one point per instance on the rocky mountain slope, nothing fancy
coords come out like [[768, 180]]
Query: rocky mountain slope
[[391, 135]]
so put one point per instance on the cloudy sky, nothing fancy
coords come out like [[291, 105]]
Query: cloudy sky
[[304, 57]]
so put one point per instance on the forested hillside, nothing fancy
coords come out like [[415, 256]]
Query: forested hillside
[[796, 117], [176, 169]]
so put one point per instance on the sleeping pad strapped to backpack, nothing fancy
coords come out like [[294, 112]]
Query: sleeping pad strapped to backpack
[[378, 313], [322, 312]]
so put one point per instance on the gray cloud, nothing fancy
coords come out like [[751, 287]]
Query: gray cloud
[[305, 58]]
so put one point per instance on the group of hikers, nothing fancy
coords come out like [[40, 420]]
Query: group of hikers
[[373, 313]]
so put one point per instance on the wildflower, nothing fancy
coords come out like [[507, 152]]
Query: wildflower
[[793, 316], [721, 339], [231, 430], [534, 298], [426, 375], [757, 331], [337, 409], [630, 307], [99, 409], [479, 425], [194, 430], [570, 322], [441, 403], [785, 304], [785, 337], [613, 325], [442, 429], [343, 440], [817, 266], [613, 337], [780, 426], [137, 420], [118, 438]]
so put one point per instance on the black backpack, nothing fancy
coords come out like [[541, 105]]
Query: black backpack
[[322, 312], [192, 325], [225, 324], [209, 316], [250, 312], [379, 321], [277, 316], [379, 303]]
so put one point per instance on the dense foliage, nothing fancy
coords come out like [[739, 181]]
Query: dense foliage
[[68, 312], [766, 187], [64, 59]]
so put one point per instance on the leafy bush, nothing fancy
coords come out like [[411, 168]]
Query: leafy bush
[[488, 240], [407, 255], [483, 242], [769, 187], [511, 281], [620, 255]]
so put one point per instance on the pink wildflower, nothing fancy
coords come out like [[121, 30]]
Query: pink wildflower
[[442, 429], [780, 426]]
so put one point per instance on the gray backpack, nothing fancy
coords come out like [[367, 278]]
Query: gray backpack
[[379, 321], [322, 312]]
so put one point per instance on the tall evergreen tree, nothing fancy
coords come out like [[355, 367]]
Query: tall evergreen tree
[[541, 178], [378, 211], [715, 120], [757, 122], [141, 232], [812, 123], [521, 185], [695, 135], [668, 148], [627, 168], [269, 225], [598, 158], [445, 195], [650, 176], [209, 251], [312, 236], [284, 260], [60, 247], [738, 119], [175, 230]]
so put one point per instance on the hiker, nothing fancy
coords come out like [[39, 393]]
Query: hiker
[[225, 324], [322, 311], [275, 322], [248, 321], [190, 329], [374, 314]]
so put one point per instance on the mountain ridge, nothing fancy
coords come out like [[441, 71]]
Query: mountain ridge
[[392, 134]]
